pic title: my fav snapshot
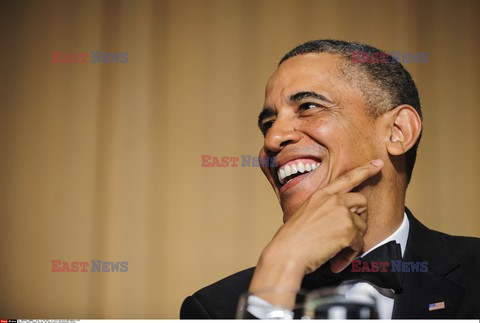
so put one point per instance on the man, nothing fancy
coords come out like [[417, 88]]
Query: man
[[345, 133]]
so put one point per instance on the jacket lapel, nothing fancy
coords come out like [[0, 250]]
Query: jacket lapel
[[420, 289]]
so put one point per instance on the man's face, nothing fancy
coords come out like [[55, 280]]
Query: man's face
[[316, 125]]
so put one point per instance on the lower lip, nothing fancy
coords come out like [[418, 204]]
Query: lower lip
[[291, 183]]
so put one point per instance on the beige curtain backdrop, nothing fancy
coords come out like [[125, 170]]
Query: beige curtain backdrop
[[102, 161]]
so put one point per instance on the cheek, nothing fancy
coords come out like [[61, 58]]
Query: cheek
[[346, 143], [357, 146], [331, 134], [319, 129]]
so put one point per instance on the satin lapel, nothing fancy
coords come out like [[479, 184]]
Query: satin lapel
[[420, 289]]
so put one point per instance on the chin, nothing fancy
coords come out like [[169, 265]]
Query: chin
[[287, 215], [294, 198], [290, 206]]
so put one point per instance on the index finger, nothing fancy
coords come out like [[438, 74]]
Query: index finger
[[346, 182]]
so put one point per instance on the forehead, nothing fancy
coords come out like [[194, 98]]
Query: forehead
[[318, 71]]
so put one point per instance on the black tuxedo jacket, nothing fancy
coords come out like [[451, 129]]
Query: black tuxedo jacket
[[453, 277]]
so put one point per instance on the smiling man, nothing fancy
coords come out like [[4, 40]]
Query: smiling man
[[345, 134]]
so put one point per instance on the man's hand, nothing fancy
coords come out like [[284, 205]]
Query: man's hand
[[329, 225]]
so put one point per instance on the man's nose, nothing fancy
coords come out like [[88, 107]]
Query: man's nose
[[281, 134]]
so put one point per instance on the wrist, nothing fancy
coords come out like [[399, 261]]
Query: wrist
[[278, 270]]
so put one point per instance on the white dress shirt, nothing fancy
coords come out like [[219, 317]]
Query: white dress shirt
[[384, 297]]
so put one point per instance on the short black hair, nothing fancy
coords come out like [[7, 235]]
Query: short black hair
[[388, 84]]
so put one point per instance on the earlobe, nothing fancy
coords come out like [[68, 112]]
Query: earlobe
[[405, 128]]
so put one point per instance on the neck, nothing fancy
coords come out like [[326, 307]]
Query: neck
[[384, 218]]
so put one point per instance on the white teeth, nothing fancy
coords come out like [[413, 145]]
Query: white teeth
[[294, 169], [301, 168], [287, 170], [291, 169], [282, 174]]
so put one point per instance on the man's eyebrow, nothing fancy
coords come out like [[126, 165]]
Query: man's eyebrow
[[308, 95], [267, 112]]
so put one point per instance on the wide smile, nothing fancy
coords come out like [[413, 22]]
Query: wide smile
[[294, 171], [295, 168]]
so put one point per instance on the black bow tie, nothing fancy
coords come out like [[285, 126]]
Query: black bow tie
[[358, 270]]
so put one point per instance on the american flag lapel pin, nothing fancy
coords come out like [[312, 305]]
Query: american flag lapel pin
[[436, 306]]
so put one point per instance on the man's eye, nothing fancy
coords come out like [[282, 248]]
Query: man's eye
[[308, 106], [265, 126]]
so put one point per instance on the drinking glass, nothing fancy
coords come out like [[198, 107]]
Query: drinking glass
[[347, 301]]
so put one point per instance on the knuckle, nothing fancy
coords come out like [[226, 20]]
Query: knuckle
[[348, 177], [348, 226], [363, 201], [344, 242], [363, 198]]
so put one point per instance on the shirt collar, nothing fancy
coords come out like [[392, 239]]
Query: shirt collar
[[400, 235]]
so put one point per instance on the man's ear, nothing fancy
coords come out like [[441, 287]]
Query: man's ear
[[404, 126]]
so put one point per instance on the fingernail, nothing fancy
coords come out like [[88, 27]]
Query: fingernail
[[377, 162]]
